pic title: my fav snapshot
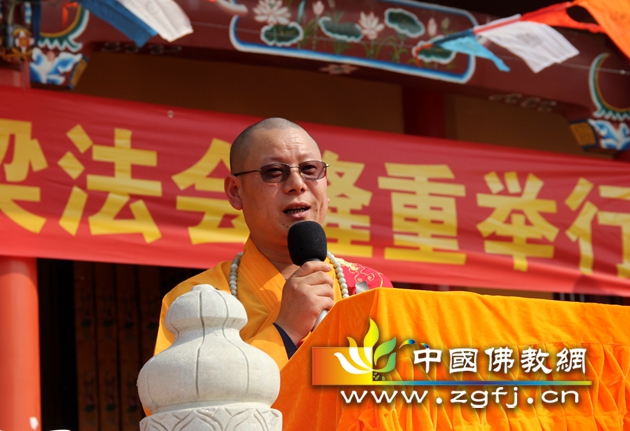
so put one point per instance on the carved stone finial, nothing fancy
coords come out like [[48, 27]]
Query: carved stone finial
[[209, 379]]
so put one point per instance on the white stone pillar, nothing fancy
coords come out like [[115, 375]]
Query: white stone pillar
[[209, 379]]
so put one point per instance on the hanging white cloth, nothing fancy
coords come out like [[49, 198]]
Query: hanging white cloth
[[164, 16], [537, 44]]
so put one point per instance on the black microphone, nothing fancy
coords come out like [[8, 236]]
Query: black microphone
[[307, 242]]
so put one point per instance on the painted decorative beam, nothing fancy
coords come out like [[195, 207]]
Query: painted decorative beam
[[371, 40]]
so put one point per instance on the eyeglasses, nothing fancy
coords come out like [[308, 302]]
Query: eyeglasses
[[279, 172]]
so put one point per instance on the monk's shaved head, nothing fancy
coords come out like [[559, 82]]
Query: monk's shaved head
[[272, 204], [243, 143]]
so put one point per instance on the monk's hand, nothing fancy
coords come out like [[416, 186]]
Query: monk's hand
[[306, 293]]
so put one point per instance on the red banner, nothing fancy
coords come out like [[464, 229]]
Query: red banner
[[103, 180]]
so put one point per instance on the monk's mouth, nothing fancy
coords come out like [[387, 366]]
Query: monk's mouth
[[297, 210]]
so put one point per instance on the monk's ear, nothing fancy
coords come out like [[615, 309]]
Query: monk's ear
[[231, 185]]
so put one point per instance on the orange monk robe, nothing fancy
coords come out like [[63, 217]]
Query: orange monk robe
[[259, 290]]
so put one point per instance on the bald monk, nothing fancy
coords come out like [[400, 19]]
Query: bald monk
[[277, 179]]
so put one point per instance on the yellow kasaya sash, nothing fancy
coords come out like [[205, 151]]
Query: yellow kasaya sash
[[260, 291]]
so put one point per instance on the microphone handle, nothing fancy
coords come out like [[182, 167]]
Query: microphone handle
[[320, 318]]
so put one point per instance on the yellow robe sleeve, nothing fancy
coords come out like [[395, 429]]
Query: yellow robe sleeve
[[269, 341]]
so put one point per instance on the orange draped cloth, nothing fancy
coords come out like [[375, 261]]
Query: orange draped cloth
[[451, 320], [613, 17]]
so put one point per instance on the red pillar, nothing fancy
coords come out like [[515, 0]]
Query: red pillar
[[20, 408]]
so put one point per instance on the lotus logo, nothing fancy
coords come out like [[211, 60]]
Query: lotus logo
[[364, 359]]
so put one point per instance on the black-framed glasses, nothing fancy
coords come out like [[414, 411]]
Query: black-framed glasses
[[278, 172]]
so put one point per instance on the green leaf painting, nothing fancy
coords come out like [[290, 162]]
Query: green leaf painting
[[437, 54], [341, 31], [404, 22], [281, 35], [300, 14]]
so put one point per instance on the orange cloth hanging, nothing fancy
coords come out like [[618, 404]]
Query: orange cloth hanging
[[556, 15], [450, 320], [613, 17]]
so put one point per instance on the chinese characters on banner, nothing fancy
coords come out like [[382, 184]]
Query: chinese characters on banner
[[95, 179]]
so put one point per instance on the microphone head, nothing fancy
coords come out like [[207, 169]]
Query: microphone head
[[307, 241]]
